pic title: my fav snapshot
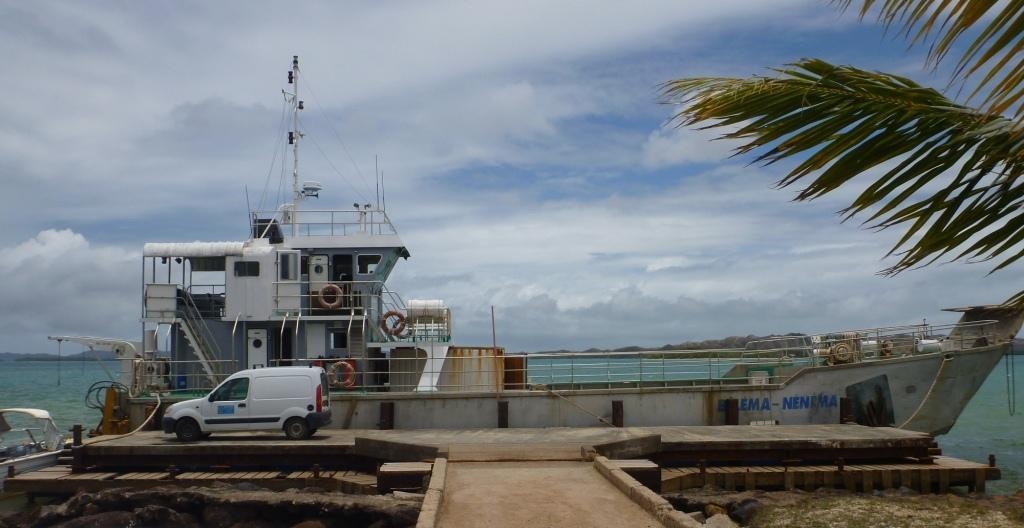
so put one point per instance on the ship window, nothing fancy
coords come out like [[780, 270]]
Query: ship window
[[339, 339], [368, 264], [247, 268], [289, 265]]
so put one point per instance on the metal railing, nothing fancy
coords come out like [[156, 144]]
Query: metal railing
[[485, 370], [165, 375], [328, 222], [360, 301]]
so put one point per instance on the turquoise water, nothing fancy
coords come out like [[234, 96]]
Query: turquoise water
[[984, 427]]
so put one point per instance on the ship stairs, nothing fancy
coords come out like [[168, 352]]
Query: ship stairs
[[190, 320]]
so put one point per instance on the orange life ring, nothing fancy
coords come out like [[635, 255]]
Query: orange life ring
[[398, 328], [348, 377], [886, 348], [335, 291]]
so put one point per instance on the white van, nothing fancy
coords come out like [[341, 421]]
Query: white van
[[295, 399]]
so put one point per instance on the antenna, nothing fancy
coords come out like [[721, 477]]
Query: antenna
[[383, 199], [376, 178], [293, 139], [248, 208]]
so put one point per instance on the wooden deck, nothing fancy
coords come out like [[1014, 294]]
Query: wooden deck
[[936, 476], [61, 480], [731, 457]]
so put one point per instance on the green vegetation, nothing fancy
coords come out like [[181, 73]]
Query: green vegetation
[[947, 174]]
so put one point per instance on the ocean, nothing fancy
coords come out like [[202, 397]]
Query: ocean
[[984, 428]]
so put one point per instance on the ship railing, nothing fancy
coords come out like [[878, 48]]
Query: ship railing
[[483, 370], [180, 378], [329, 222], [883, 342]]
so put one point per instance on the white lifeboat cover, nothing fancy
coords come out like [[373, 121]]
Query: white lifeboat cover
[[192, 249]]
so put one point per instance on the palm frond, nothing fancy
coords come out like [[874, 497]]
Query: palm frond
[[994, 52], [840, 122]]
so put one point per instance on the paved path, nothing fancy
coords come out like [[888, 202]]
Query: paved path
[[535, 494]]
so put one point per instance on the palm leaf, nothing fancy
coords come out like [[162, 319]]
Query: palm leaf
[[839, 122], [994, 52]]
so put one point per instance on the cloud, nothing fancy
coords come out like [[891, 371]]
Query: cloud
[[667, 147], [58, 283]]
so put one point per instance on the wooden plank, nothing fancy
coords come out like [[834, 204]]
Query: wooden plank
[[926, 480], [887, 478], [979, 480], [944, 481]]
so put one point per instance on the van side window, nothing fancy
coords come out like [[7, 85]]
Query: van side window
[[234, 390]]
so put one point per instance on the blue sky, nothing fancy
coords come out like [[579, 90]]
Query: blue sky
[[526, 160]]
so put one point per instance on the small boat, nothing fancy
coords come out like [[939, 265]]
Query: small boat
[[29, 440]]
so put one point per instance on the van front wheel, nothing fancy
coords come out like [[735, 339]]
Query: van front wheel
[[187, 430], [296, 429]]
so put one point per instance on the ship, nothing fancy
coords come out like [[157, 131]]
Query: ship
[[308, 287]]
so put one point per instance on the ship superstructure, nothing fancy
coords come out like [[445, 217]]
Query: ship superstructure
[[309, 284]]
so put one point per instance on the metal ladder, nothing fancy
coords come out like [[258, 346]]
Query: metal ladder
[[198, 335]]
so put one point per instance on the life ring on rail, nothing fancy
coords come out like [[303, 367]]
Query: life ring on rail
[[886, 349], [395, 329], [334, 291], [346, 378]]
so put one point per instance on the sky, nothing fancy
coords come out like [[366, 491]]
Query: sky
[[528, 163]]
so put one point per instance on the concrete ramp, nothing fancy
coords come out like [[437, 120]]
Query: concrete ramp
[[535, 493]]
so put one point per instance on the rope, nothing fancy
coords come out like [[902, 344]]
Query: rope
[[574, 404], [137, 429], [1011, 383]]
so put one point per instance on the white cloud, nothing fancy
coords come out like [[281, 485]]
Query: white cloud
[[667, 147], [59, 283]]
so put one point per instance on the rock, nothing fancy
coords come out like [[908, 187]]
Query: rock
[[160, 516], [257, 523], [223, 516], [312, 523], [404, 495], [683, 503], [711, 510], [100, 520], [745, 510], [697, 516], [720, 520]]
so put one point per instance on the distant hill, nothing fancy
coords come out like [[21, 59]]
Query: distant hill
[[87, 355], [708, 344]]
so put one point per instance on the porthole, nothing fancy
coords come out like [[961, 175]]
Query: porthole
[[257, 343]]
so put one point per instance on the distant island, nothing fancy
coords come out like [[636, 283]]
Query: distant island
[[728, 342], [87, 355]]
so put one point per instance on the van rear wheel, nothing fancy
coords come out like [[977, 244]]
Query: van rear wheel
[[187, 430], [296, 429]]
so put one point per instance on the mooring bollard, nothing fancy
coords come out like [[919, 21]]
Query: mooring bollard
[[991, 460], [76, 435], [839, 463], [316, 471]]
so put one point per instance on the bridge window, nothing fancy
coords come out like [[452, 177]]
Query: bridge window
[[368, 264]]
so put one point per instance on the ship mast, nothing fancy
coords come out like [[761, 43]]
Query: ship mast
[[293, 139]]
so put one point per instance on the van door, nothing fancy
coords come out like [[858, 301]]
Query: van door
[[227, 407], [274, 396]]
